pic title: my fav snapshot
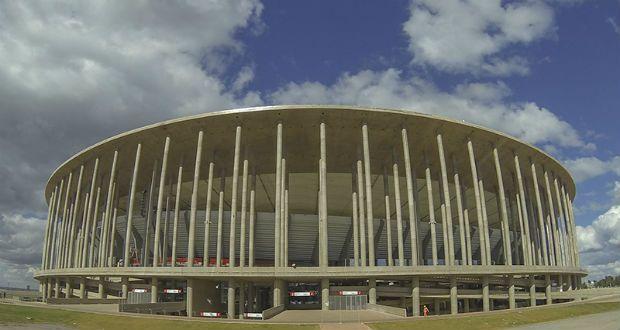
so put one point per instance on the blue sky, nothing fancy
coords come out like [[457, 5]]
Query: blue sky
[[73, 73]]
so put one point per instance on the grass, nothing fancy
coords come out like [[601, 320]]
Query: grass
[[16, 314], [500, 320]]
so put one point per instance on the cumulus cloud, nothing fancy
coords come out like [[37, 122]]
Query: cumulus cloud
[[599, 243], [470, 35], [74, 73], [585, 168], [481, 103]]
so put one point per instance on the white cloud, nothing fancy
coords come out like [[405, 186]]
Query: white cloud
[[613, 24], [73, 73], [470, 35], [480, 103], [599, 243], [585, 168]]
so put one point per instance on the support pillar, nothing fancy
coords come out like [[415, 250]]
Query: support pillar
[[56, 288], [372, 291], [411, 202], [124, 287], [532, 291], [368, 182], [548, 289], [231, 299], [189, 297], [415, 296], [191, 240], [177, 206], [324, 294], [154, 289], [83, 288], [485, 294], [241, 299], [232, 247], [454, 305], [511, 292], [68, 288], [101, 288], [466, 305]]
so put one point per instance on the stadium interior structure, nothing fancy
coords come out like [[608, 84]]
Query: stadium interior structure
[[245, 213]]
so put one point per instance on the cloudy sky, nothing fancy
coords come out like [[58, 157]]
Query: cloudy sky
[[73, 73]]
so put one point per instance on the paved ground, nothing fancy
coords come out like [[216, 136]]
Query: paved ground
[[602, 321], [335, 317]]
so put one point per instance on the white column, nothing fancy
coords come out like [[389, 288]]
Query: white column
[[252, 219], [540, 215], [191, 242], [149, 208], [132, 201], [244, 211], [399, 215], [61, 241], [474, 175], [355, 219], [431, 210], [205, 250], [369, 214], [91, 252], [550, 206], [504, 211], [411, 202], [103, 249], [459, 210], [276, 243], [177, 205], [220, 218], [233, 208], [91, 195], [160, 202], [361, 200], [388, 220], [324, 215], [524, 211], [48, 228], [446, 195], [70, 258]]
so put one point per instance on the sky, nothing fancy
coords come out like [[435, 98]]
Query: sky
[[74, 73]]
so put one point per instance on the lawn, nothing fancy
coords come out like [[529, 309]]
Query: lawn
[[14, 314], [500, 320]]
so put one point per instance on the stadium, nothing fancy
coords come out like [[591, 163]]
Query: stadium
[[246, 213]]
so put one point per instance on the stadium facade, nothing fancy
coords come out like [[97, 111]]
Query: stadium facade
[[247, 212]]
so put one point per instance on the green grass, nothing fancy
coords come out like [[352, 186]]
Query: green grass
[[14, 314], [500, 320]]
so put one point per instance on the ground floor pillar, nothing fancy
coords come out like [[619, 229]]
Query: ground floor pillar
[[454, 303], [415, 296], [466, 305], [154, 289], [49, 289], [83, 288], [189, 297], [231, 299], [485, 294], [101, 287], [532, 291], [511, 292], [372, 291], [241, 299], [56, 288], [124, 287], [324, 294], [68, 288], [250, 305], [548, 289]]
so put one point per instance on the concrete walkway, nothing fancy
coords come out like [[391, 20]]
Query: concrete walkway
[[333, 317]]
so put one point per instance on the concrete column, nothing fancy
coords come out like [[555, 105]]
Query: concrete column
[[470, 258], [250, 304], [80, 234], [87, 225], [231, 298], [220, 218], [485, 294], [62, 248], [56, 288], [511, 292], [474, 175], [459, 210], [324, 215], [283, 215], [372, 291], [361, 199], [177, 206], [569, 229], [205, 248], [124, 287], [91, 252], [532, 291], [191, 242], [232, 253], [551, 209], [277, 293], [524, 213], [541, 224], [132, 201], [49, 289], [70, 256], [548, 289], [437, 306], [466, 305], [368, 182], [485, 220], [244, 211], [48, 228], [454, 304], [560, 220], [113, 231], [415, 296], [165, 240], [149, 207], [324, 294], [574, 229], [101, 288], [189, 297], [431, 210], [252, 217], [355, 219], [103, 248], [411, 202], [68, 288], [54, 234], [277, 206], [241, 299], [388, 220], [154, 289], [399, 216], [504, 210], [446, 197], [160, 201]]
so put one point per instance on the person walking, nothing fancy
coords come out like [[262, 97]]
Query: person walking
[[426, 311]]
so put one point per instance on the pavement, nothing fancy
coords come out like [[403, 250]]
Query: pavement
[[332, 317]]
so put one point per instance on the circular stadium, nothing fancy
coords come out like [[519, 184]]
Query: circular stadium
[[246, 213]]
